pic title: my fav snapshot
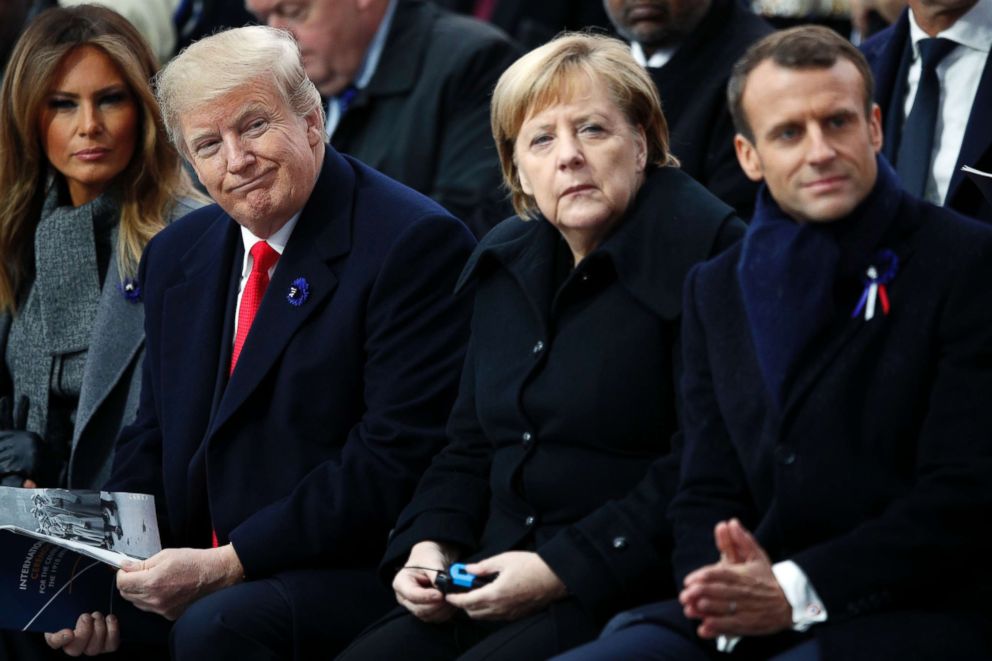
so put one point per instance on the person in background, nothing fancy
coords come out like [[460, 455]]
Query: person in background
[[688, 47], [933, 74], [152, 18], [534, 23], [87, 176], [560, 454], [304, 346], [838, 438], [407, 87]]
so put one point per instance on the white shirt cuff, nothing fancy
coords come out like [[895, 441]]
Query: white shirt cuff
[[807, 608]]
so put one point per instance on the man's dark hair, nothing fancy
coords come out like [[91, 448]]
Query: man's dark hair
[[805, 47]]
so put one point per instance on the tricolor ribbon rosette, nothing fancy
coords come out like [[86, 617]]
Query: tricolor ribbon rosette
[[879, 273]]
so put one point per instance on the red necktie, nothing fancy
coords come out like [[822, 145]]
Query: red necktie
[[263, 258]]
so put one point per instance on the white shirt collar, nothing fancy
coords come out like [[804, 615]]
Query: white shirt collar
[[277, 241], [973, 30], [658, 59]]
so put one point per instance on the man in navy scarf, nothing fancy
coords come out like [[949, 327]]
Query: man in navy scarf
[[837, 469]]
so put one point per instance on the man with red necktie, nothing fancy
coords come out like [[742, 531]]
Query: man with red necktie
[[304, 345]]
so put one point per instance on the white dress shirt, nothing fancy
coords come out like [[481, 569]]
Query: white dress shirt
[[959, 74], [657, 60]]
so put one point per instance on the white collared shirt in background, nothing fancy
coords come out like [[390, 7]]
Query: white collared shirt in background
[[657, 60], [960, 74]]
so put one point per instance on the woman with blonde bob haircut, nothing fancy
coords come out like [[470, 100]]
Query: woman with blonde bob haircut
[[560, 463], [87, 177]]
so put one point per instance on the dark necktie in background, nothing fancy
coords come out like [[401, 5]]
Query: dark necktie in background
[[345, 98], [916, 143]]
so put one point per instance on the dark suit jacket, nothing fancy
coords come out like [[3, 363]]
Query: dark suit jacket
[[586, 370], [878, 467], [424, 117], [533, 23], [885, 53], [305, 457], [693, 90]]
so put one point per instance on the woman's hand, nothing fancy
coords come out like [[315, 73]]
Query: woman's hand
[[94, 634], [415, 589], [525, 585]]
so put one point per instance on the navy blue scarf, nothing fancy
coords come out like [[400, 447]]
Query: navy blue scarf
[[791, 274]]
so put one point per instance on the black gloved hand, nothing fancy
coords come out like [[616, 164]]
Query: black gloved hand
[[21, 457], [22, 453]]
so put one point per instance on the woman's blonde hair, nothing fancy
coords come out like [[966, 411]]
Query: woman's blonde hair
[[549, 74], [147, 187]]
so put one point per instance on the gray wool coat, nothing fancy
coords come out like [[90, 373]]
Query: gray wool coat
[[108, 398]]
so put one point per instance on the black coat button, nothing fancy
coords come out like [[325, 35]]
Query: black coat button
[[620, 542], [785, 455], [526, 438], [539, 347], [529, 521]]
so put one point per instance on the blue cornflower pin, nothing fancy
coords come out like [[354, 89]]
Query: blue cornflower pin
[[299, 292], [879, 273], [130, 290]]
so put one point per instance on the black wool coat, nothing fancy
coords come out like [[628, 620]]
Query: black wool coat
[[560, 441], [875, 477], [423, 119], [693, 91]]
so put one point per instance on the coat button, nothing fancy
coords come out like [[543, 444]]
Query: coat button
[[620, 542], [526, 437], [529, 521], [539, 347], [785, 456]]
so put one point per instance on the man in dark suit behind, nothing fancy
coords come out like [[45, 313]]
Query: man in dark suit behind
[[688, 47], [838, 365], [304, 347], [408, 87], [959, 131]]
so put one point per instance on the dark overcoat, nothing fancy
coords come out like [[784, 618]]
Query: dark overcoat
[[423, 119], [693, 90], [560, 439], [887, 53], [875, 477], [304, 457]]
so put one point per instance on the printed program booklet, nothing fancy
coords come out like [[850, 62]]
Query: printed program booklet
[[59, 552]]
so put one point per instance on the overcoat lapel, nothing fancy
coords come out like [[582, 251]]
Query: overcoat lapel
[[118, 335], [195, 313], [322, 234], [846, 328]]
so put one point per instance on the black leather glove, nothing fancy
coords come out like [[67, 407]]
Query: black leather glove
[[21, 457], [22, 453]]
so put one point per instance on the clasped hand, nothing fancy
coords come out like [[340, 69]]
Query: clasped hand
[[739, 595], [525, 585]]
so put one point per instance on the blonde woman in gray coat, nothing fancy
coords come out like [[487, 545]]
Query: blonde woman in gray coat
[[87, 177]]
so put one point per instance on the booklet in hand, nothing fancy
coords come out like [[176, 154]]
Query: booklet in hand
[[58, 552]]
